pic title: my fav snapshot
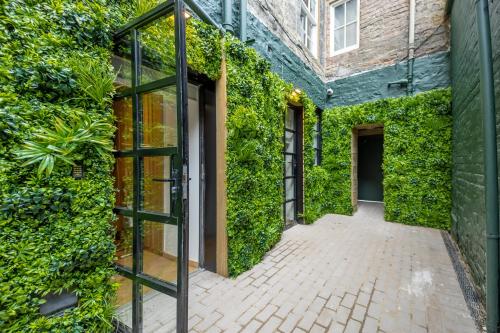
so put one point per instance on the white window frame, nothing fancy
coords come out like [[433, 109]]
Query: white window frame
[[311, 26], [333, 6]]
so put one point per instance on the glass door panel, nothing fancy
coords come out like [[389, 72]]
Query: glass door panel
[[156, 184], [124, 182], [124, 123], [159, 118], [124, 227], [157, 48], [150, 104], [159, 251], [290, 178]]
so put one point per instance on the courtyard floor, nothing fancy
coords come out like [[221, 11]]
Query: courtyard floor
[[341, 274]]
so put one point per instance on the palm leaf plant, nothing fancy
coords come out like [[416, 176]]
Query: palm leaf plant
[[94, 78], [66, 142]]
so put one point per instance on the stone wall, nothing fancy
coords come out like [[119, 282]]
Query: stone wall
[[384, 35], [468, 211]]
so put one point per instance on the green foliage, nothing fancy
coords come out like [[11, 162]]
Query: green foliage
[[255, 122], [94, 78], [317, 200], [416, 161], [67, 142], [55, 89]]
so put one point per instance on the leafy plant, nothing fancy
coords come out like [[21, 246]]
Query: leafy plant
[[95, 78], [66, 142]]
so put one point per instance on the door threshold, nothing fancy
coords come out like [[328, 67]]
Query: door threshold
[[372, 201]]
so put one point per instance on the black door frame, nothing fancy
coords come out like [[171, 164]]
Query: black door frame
[[298, 164], [179, 166], [207, 169]]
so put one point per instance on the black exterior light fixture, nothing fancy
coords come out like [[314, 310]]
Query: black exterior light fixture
[[56, 304], [77, 171]]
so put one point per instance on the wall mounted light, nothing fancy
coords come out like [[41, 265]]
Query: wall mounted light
[[56, 304], [77, 171]]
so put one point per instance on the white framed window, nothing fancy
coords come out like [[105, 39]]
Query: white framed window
[[344, 26], [308, 27]]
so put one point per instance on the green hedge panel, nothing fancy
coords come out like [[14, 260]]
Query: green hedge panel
[[416, 161]]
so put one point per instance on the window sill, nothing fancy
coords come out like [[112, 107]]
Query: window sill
[[343, 51]]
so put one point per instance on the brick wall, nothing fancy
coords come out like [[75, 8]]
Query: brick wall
[[286, 58], [282, 17], [468, 211], [383, 36]]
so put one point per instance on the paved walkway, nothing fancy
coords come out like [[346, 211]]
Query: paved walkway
[[341, 274]]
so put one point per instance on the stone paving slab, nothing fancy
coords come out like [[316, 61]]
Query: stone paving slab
[[341, 274]]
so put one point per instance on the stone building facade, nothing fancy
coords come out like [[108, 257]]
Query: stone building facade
[[363, 73], [383, 35]]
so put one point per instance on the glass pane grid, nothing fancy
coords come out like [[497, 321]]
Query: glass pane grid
[[159, 251], [147, 124]]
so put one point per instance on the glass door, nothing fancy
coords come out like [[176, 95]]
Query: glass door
[[150, 172], [291, 159]]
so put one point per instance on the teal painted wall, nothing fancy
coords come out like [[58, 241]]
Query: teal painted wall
[[283, 61], [431, 72], [468, 210]]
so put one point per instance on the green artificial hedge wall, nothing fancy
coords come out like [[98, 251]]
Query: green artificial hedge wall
[[257, 102], [416, 162], [55, 231]]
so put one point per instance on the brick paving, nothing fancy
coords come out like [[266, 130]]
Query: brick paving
[[341, 274]]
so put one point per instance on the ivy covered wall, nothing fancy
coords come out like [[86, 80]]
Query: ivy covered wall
[[416, 158]]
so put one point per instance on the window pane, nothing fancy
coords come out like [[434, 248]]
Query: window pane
[[290, 188], [160, 250], [158, 312], [124, 131], [289, 142], [351, 37], [123, 240], [339, 16], [156, 185], [339, 39], [351, 11], [289, 170], [312, 7], [123, 300], [303, 26], [315, 141], [290, 211], [159, 118], [122, 63], [124, 181], [290, 119], [157, 48]]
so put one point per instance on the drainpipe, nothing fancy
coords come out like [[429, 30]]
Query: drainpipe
[[227, 7], [490, 162], [411, 48], [243, 20]]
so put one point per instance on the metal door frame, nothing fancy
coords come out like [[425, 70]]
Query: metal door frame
[[179, 169], [298, 167]]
